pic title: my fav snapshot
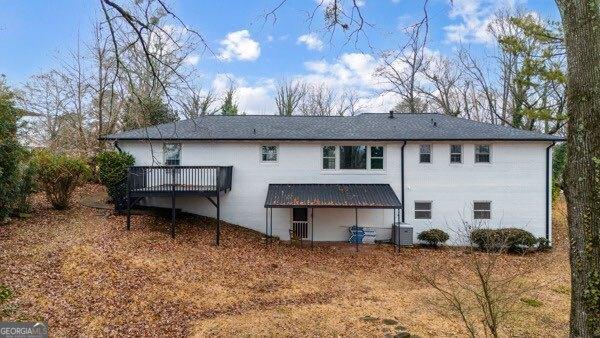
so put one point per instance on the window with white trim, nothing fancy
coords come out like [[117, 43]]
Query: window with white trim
[[353, 157], [483, 153], [423, 210], [455, 153], [425, 153], [377, 157], [172, 153], [268, 153], [328, 157], [482, 210]]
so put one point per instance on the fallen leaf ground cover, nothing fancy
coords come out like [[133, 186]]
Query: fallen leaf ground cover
[[84, 274]]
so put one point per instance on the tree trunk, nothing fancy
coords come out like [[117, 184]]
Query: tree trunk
[[581, 22]]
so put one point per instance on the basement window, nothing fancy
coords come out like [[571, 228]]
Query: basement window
[[482, 210], [423, 210]]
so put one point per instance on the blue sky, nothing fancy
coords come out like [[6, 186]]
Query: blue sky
[[36, 34]]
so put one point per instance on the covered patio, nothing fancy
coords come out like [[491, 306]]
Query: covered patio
[[302, 197]]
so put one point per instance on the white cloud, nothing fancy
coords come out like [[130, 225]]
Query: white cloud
[[192, 59], [270, 38], [351, 72], [255, 98], [238, 45], [474, 17], [312, 41]]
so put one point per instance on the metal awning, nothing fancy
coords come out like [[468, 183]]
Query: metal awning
[[367, 196]]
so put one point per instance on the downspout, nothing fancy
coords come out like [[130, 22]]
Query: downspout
[[402, 177], [117, 146], [548, 188]]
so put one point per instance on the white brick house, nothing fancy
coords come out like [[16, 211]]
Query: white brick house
[[442, 169]]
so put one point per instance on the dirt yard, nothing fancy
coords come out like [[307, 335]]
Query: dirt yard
[[81, 271]]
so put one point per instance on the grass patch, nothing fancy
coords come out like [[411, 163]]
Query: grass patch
[[532, 302], [5, 293], [565, 290]]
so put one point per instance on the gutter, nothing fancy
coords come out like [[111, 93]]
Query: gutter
[[402, 177], [548, 189]]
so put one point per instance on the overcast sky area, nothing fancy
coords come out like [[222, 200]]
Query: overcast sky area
[[35, 36]]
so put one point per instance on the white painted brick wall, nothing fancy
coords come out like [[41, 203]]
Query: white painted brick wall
[[514, 182]]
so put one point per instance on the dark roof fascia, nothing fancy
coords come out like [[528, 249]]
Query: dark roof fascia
[[557, 139]]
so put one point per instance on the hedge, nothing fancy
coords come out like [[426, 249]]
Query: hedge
[[59, 175], [512, 239], [433, 237], [112, 169]]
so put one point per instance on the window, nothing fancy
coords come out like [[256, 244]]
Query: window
[[329, 157], [455, 153], [482, 153], [482, 210], [425, 153], [268, 154], [353, 157], [377, 157], [422, 210], [172, 153]]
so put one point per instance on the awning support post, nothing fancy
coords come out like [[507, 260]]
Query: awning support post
[[312, 227], [266, 225], [271, 226]]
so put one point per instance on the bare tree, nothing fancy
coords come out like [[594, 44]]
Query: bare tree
[[477, 289], [288, 97], [107, 101], [196, 103], [46, 97], [446, 86], [401, 70]]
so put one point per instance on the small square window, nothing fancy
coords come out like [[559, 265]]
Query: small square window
[[268, 154], [377, 157], [482, 153], [172, 153], [425, 153], [482, 210], [455, 153], [329, 157], [422, 210]]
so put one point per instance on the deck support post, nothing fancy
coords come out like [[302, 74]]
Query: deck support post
[[218, 235], [128, 199], [356, 226], [173, 204]]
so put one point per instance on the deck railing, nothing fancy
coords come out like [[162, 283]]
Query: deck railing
[[179, 178]]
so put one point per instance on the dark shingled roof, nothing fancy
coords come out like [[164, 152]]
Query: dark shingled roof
[[376, 196], [362, 127]]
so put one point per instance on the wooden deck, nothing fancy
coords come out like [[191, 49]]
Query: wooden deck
[[174, 181]]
